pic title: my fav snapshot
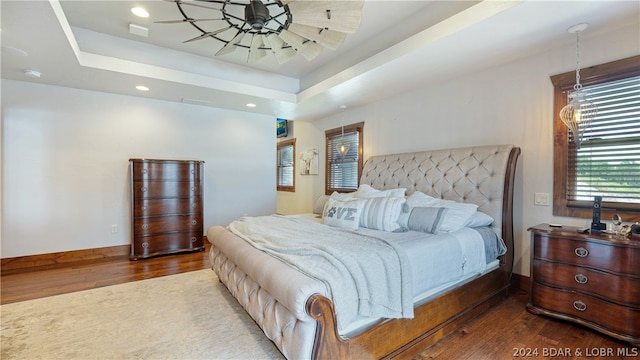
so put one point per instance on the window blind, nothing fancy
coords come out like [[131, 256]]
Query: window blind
[[608, 160], [342, 173], [285, 166]]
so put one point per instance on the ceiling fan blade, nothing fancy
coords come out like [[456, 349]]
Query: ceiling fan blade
[[189, 20], [255, 53], [308, 49], [192, 4], [229, 47], [207, 34], [342, 16], [328, 38], [277, 45]]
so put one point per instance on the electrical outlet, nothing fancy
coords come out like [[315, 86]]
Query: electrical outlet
[[541, 199], [114, 228]]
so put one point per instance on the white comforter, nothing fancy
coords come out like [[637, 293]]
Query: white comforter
[[366, 276]]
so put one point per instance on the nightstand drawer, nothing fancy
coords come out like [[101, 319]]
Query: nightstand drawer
[[593, 254], [619, 289], [619, 319]]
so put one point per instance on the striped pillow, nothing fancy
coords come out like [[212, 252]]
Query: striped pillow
[[381, 213]]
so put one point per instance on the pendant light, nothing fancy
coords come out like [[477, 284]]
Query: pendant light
[[343, 146], [579, 112]]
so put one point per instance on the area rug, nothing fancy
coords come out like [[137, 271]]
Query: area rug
[[185, 316]]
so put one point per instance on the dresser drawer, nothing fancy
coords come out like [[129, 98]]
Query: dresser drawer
[[165, 189], [165, 170], [145, 246], [619, 319], [619, 289], [152, 207], [169, 223], [623, 260]]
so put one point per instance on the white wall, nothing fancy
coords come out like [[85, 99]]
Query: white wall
[[65, 163], [307, 136], [511, 104]]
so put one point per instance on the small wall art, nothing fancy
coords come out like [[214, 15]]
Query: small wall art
[[309, 165]]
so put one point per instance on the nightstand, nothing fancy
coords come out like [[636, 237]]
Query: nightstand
[[592, 279]]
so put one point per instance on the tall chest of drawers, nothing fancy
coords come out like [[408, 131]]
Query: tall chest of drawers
[[592, 279], [166, 207]]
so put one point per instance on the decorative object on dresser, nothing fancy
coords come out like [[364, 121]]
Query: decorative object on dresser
[[166, 207], [592, 279]]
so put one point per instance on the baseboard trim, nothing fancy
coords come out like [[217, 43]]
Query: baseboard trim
[[22, 264], [520, 282], [60, 259]]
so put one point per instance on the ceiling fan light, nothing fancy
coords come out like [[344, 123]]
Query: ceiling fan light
[[256, 14]]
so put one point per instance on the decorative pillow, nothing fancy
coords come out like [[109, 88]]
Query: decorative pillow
[[457, 215], [318, 207], [479, 219], [343, 213], [366, 191], [381, 213], [342, 196], [423, 219]]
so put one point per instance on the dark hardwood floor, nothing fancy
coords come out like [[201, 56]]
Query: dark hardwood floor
[[505, 332]]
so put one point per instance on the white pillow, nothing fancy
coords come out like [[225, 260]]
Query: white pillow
[[479, 219], [366, 191], [343, 213], [381, 213], [342, 196], [318, 207], [456, 217]]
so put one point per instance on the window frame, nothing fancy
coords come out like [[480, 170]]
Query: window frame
[[562, 84], [280, 145], [332, 133]]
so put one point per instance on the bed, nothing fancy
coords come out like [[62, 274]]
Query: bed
[[298, 312]]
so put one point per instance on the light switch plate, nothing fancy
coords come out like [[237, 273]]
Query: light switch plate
[[541, 199]]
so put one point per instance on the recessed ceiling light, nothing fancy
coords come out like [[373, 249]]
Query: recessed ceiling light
[[142, 88], [32, 74], [251, 105], [138, 11]]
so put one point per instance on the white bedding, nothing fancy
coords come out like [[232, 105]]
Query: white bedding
[[459, 256], [466, 255]]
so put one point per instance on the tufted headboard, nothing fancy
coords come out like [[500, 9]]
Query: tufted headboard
[[482, 175]]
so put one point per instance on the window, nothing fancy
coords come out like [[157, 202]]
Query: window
[[607, 163], [286, 165], [343, 174]]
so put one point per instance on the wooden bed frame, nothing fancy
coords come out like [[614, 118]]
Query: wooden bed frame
[[434, 319]]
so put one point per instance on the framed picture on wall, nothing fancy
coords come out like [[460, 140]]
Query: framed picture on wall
[[281, 128], [309, 165]]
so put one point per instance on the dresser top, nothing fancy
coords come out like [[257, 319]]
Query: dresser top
[[166, 161], [571, 232]]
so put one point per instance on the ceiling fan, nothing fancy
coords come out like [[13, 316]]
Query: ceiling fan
[[283, 28]]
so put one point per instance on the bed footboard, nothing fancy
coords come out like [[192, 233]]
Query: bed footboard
[[405, 338], [290, 335]]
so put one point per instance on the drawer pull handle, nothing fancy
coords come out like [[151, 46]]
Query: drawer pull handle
[[145, 226], [145, 245], [193, 188], [579, 305], [581, 252], [194, 239], [144, 171], [193, 222], [144, 189], [580, 279]]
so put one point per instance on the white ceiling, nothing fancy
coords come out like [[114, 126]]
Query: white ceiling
[[400, 45]]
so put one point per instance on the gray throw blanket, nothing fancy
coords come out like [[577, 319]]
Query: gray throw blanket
[[365, 275]]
